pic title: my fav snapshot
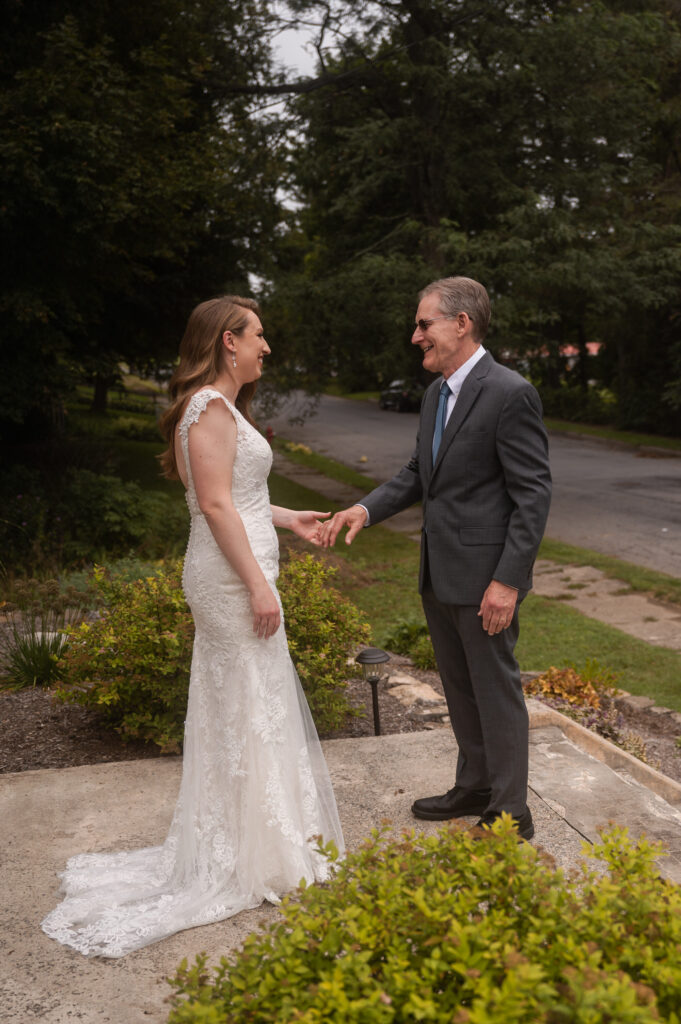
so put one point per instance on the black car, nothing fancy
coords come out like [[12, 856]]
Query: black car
[[403, 395]]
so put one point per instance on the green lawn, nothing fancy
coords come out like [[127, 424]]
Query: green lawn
[[610, 434]]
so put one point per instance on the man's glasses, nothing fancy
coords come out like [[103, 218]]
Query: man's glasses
[[423, 325]]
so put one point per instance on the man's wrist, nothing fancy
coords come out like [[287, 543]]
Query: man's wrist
[[367, 521]]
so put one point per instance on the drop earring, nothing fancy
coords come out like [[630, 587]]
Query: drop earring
[[234, 360]]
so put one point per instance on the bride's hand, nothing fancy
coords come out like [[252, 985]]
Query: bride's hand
[[266, 612], [307, 525]]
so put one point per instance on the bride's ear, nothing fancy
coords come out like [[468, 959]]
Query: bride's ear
[[228, 341]]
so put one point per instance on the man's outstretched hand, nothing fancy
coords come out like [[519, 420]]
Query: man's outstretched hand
[[354, 518]]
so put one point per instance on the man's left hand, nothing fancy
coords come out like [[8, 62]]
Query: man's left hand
[[497, 607]]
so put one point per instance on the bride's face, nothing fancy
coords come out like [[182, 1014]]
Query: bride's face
[[250, 348]]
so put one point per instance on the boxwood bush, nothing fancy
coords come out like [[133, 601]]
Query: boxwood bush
[[133, 662], [452, 930]]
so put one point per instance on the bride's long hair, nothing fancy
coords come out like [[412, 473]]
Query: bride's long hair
[[201, 356]]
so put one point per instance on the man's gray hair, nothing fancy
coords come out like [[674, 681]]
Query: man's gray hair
[[463, 295]]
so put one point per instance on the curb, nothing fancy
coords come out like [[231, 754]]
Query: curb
[[605, 751], [606, 442]]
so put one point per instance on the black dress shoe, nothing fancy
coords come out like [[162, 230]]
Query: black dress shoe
[[454, 804], [523, 824]]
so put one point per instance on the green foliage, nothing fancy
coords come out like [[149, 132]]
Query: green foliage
[[129, 167], [80, 517], [33, 635], [446, 928], [133, 662], [569, 212], [413, 640], [323, 628], [591, 405]]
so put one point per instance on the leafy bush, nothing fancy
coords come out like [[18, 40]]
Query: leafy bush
[[322, 628], [450, 930], [33, 637], [582, 688], [571, 403], [413, 640], [82, 516], [133, 662]]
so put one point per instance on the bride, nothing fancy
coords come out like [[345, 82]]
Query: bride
[[255, 790]]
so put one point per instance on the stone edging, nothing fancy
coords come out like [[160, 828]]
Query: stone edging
[[605, 751]]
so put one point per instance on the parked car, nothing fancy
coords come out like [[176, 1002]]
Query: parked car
[[403, 395]]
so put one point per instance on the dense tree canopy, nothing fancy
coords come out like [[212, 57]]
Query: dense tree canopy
[[133, 184], [534, 145]]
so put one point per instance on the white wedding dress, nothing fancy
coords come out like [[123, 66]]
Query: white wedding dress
[[255, 790]]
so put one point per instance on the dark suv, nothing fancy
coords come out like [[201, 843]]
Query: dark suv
[[403, 395]]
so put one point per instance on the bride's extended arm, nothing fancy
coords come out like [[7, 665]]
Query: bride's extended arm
[[304, 524], [212, 448]]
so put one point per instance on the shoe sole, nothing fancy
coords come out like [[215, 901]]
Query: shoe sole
[[434, 816]]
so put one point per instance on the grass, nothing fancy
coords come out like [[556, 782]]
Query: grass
[[303, 456], [610, 434], [553, 634]]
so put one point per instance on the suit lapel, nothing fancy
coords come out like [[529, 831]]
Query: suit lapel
[[429, 414], [471, 388]]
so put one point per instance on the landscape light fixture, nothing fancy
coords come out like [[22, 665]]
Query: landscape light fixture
[[372, 660]]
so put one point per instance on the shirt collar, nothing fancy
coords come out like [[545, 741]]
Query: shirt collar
[[458, 377]]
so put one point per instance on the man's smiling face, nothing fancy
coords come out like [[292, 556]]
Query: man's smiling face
[[447, 342]]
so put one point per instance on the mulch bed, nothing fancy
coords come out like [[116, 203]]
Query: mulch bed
[[38, 732]]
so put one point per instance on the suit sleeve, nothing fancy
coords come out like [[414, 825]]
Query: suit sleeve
[[522, 449], [397, 494]]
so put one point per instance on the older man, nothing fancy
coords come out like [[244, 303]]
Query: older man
[[481, 470]]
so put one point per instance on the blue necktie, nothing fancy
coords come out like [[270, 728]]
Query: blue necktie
[[441, 418]]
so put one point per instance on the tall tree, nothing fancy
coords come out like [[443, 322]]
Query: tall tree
[[531, 144], [133, 182]]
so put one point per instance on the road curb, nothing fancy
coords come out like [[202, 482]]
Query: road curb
[[607, 442]]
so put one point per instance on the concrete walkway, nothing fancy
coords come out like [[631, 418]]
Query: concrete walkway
[[578, 782]]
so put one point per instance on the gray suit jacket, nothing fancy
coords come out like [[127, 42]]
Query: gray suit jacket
[[486, 499]]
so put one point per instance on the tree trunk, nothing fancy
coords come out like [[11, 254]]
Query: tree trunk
[[100, 394]]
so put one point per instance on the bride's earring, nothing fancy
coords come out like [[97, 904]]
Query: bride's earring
[[234, 360]]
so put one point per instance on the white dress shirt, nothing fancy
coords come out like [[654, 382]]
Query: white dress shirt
[[455, 382]]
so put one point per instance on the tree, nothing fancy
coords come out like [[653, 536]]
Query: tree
[[532, 145], [132, 186]]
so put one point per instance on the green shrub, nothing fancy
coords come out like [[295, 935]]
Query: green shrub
[[33, 636], [450, 930], [133, 662], [572, 403], [413, 640], [82, 517], [322, 628]]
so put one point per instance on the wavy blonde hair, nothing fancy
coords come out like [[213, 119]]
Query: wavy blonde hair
[[201, 355]]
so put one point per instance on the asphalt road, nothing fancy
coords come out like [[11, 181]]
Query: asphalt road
[[617, 502]]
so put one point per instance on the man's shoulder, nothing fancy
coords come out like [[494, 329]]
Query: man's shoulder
[[504, 376]]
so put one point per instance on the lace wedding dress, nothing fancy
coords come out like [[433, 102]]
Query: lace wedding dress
[[255, 790]]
